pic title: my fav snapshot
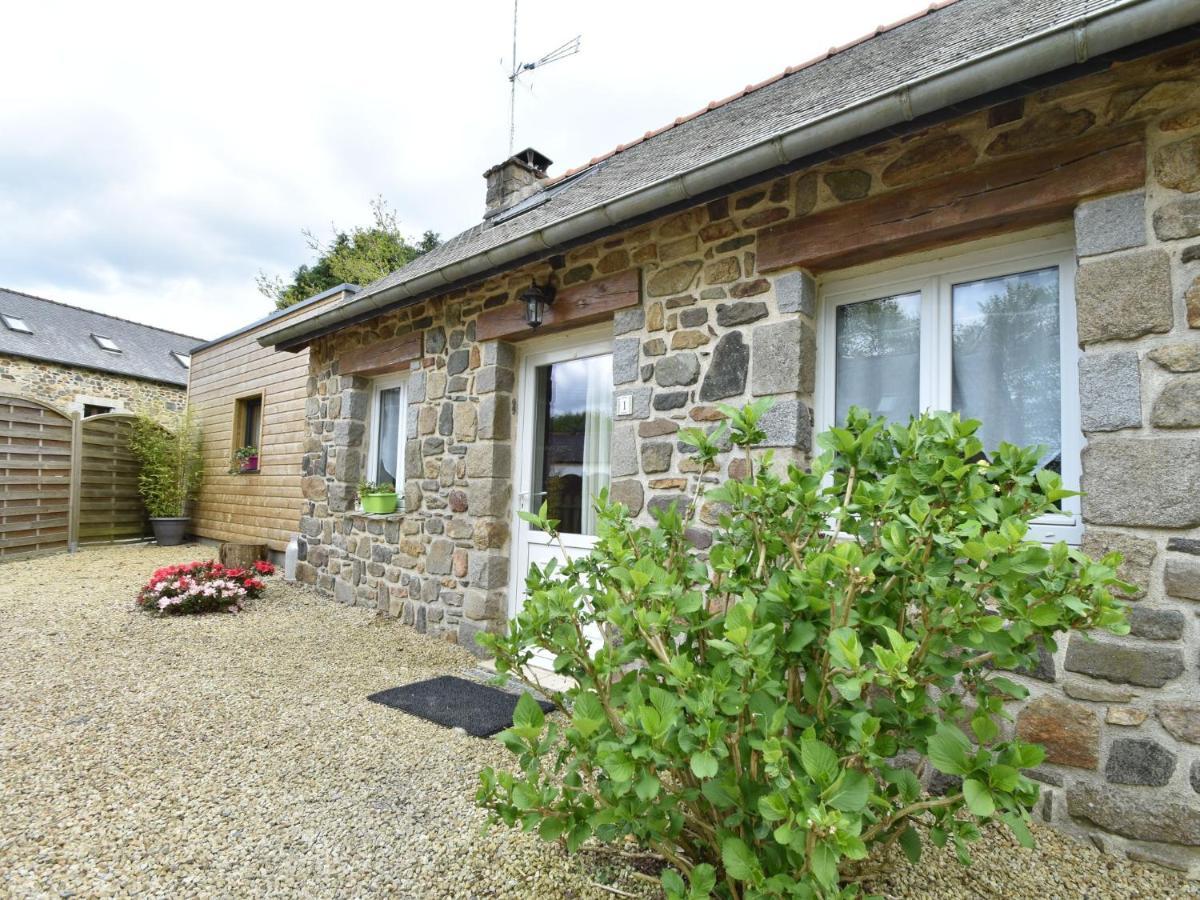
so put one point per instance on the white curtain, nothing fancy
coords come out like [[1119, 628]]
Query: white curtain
[[388, 437], [597, 436], [879, 357], [1006, 359]]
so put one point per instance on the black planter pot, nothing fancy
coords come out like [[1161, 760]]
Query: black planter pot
[[169, 532]]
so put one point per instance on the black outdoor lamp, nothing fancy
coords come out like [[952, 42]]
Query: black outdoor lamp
[[536, 299]]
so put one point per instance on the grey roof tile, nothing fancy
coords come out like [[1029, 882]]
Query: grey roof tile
[[926, 45], [63, 334]]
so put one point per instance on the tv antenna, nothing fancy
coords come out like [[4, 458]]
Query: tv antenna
[[570, 48]]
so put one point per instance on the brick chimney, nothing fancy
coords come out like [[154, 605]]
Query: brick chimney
[[513, 180]]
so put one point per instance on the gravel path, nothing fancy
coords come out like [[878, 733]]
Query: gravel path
[[229, 755], [235, 755]]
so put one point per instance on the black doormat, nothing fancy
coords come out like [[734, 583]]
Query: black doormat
[[476, 708]]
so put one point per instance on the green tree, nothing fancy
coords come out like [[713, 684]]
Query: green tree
[[360, 256]]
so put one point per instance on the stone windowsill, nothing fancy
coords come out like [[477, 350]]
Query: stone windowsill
[[380, 517]]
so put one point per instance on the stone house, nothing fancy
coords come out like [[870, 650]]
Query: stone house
[[90, 363], [992, 207]]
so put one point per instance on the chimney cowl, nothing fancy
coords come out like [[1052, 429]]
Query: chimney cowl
[[518, 177]]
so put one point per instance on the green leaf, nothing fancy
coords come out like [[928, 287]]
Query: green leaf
[[588, 715], [647, 787], [850, 688], [978, 797], [910, 843], [739, 861], [673, 885], [528, 714], [704, 764], [948, 750], [824, 862], [1003, 778], [1043, 615], [1020, 830], [800, 636], [819, 761], [983, 726], [851, 795], [773, 808], [704, 879], [550, 829], [845, 648]]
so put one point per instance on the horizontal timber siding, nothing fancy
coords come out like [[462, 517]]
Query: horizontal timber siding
[[263, 507]]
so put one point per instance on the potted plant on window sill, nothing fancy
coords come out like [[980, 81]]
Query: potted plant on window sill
[[169, 478], [377, 499], [245, 459]]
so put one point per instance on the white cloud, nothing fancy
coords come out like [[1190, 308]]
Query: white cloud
[[156, 156]]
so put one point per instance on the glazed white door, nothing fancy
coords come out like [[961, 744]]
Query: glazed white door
[[564, 442]]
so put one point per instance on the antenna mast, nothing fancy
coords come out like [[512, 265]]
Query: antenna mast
[[570, 48]]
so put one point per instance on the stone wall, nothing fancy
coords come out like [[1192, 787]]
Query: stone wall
[[1120, 717], [68, 387], [443, 565]]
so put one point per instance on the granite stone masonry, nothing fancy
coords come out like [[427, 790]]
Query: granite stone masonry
[[70, 387], [712, 326]]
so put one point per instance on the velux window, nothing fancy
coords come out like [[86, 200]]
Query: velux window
[[389, 410], [15, 323], [989, 334]]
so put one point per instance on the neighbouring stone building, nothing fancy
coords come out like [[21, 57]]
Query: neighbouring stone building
[[1009, 225], [86, 362]]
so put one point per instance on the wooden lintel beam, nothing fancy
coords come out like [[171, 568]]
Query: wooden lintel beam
[[580, 304], [986, 199], [380, 358]]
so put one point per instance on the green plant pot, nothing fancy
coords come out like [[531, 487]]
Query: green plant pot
[[379, 503]]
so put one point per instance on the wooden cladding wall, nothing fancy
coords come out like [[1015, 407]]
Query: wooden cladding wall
[[260, 507], [35, 478], [64, 480], [109, 505]]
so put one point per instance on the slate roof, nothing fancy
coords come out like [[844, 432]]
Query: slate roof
[[63, 334], [934, 41]]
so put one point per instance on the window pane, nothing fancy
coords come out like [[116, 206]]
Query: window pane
[[388, 436], [879, 357], [1006, 360], [574, 437], [251, 421]]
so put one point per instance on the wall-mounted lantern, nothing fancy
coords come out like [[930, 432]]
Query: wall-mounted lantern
[[536, 298]]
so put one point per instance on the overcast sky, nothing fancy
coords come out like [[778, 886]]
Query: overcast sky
[[154, 157]]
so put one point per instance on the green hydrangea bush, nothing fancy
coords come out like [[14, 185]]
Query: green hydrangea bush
[[754, 713]]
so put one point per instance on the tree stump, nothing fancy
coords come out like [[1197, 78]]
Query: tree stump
[[242, 556]]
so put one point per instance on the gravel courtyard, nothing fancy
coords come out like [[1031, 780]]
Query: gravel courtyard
[[234, 755], [227, 755]]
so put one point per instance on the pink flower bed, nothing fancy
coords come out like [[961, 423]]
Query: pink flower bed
[[199, 587]]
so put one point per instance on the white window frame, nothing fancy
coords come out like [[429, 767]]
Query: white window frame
[[933, 277], [378, 386]]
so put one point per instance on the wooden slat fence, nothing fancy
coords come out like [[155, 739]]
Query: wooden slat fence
[[109, 505], [63, 480], [35, 477]]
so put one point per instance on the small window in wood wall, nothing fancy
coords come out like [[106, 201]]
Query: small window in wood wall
[[247, 431]]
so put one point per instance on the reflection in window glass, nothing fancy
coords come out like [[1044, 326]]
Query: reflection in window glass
[[879, 357], [1006, 360], [573, 440], [387, 464]]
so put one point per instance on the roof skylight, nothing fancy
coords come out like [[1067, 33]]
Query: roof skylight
[[183, 359], [106, 343], [15, 323]]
